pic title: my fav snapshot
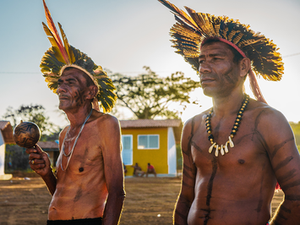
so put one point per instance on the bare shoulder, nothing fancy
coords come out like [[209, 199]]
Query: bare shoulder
[[191, 126], [265, 115], [270, 123], [194, 122], [105, 120], [107, 126]]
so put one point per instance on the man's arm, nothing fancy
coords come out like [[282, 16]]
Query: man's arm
[[113, 170], [186, 195], [40, 163], [285, 160]]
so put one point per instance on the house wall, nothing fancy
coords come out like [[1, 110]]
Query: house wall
[[157, 157], [53, 155], [2, 154]]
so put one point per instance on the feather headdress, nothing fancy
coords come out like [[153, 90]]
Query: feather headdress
[[191, 31], [62, 55]]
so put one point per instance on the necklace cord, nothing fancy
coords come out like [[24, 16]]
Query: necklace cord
[[72, 150], [224, 148]]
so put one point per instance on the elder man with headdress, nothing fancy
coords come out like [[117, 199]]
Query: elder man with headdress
[[88, 185], [235, 152]]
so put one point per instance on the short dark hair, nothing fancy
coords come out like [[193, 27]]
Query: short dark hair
[[237, 57]]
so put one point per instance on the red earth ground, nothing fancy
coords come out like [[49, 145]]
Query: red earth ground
[[149, 201]]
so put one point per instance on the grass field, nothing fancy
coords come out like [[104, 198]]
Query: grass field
[[149, 201]]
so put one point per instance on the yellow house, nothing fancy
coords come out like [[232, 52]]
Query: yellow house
[[151, 141]]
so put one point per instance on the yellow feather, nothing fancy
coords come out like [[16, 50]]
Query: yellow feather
[[67, 46], [54, 43]]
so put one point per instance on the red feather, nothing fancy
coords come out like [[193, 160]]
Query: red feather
[[55, 34]]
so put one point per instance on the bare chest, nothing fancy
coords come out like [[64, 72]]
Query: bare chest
[[247, 148], [82, 155]]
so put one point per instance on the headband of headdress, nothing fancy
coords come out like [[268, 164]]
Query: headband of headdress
[[62, 55], [192, 30]]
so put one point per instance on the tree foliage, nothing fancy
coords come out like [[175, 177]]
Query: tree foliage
[[296, 129], [31, 113], [16, 158], [148, 95]]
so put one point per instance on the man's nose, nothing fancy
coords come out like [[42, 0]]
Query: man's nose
[[60, 89], [204, 67]]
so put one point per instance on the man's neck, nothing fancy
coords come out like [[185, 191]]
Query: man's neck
[[227, 105], [77, 117]]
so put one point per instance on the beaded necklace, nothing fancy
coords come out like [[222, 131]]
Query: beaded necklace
[[224, 148], [63, 144]]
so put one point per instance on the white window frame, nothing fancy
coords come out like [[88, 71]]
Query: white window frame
[[131, 136], [148, 135]]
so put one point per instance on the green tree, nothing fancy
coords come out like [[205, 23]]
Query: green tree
[[31, 113], [148, 95]]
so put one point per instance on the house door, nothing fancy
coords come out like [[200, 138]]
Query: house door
[[127, 149]]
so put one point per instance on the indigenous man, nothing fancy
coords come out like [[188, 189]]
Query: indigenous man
[[235, 152], [88, 185]]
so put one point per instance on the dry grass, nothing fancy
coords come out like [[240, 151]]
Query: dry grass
[[149, 201]]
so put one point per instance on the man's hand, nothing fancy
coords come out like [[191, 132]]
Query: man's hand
[[38, 160]]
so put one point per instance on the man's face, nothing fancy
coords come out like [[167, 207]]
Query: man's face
[[71, 89], [219, 75]]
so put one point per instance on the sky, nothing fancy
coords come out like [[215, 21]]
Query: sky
[[125, 35]]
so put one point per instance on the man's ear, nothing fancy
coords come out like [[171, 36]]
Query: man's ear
[[91, 92], [245, 65]]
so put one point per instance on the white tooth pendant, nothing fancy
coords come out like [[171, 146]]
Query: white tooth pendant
[[211, 147], [222, 150], [217, 151], [225, 147], [231, 142]]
